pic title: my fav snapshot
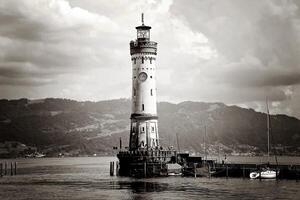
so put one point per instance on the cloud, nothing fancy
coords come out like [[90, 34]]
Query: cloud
[[257, 44], [50, 37], [233, 51]]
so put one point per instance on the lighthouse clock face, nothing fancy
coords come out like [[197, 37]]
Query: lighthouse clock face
[[143, 76]]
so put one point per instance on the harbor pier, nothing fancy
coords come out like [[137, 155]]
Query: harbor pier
[[145, 163]]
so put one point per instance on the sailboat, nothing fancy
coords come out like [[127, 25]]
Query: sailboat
[[266, 172]]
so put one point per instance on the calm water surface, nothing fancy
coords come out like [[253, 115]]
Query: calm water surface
[[88, 178]]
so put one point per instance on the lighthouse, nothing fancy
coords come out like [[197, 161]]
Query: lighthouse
[[145, 157], [143, 127]]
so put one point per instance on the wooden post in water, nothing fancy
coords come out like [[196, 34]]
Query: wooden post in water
[[117, 168], [15, 168], [1, 169], [5, 168], [226, 171], [195, 172], [11, 169], [111, 169], [243, 171], [145, 169], [209, 174]]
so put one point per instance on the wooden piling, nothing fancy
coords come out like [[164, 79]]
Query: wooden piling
[[111, 168], [11, 169], [5, 168], [145, 169], [1, 169], [243, 171], [117, 168], [15, 168], [195, 170], [110, 165], [226, 171]]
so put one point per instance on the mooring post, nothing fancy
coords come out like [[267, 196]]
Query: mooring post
[[111, 169], [145, 169], [1, 168], [243, 171], [15, 168], [195, 173], [5, 168], [11, 169], [117, 168], [226, 171], [209, 174], [296, 174]]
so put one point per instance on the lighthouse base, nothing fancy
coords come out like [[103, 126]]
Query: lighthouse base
[[145, 163]]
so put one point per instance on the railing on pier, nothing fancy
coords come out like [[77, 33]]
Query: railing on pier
[[149, 154], [5, 170]]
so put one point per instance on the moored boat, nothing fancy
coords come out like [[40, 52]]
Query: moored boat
[[265, 173]]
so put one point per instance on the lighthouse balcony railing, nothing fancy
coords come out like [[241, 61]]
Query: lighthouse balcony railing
[[148, 153]]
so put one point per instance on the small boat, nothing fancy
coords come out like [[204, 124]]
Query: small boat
[[39, 155], [265, 173], [174, 174], [174, 169]]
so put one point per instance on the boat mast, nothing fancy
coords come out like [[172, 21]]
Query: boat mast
[[177, 141], [205, 151], [268, 129]]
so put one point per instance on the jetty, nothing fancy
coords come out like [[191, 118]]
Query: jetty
[[154, 163]]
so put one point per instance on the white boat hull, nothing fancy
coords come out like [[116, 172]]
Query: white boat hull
[[265, 174]]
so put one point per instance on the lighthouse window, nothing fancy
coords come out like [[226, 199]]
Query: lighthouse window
[[142, 59], [151, 92], [134, 60], [150, 76], [152, 129], [150, 60], [143, 129], [143, 107]]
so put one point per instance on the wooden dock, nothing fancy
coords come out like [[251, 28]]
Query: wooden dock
[[152, 163]]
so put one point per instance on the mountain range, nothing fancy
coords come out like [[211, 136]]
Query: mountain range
[[86, 128]]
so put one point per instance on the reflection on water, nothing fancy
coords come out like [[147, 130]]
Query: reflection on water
[[88, 178]]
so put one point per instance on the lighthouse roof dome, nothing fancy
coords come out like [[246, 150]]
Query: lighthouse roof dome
[[143, 27]]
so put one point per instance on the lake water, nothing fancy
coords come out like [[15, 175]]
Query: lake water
[[88, 178]]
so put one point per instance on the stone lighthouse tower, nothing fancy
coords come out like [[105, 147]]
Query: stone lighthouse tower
[[144, 130], [144, 158]]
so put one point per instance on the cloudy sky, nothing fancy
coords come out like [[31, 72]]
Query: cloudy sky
[[235, 51]]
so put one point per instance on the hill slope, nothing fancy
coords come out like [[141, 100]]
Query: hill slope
[[56, 125]]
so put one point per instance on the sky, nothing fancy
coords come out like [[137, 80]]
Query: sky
[[236, 51]]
